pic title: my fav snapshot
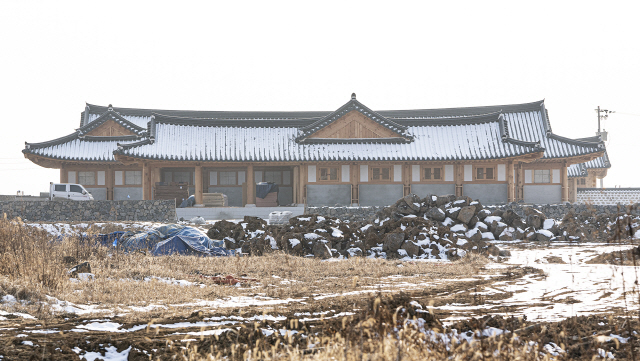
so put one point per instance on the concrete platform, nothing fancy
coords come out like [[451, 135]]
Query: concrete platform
[[218, 213]]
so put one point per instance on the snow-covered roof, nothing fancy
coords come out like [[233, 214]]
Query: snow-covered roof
[[92, 149], [470, 139], [577, 170], [489, 132]]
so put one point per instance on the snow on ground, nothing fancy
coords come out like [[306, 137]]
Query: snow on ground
[[566, 290]]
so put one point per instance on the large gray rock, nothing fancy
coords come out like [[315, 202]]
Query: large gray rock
[[436, 214], [413, 201], [534, 220], [509, 216], [442, 200], [411, 248], [392, 241], [466, 213]]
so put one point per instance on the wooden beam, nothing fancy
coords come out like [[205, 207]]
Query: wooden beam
[[511, 191], [63, 174], [296, 184], [198, 184], [146, 181], [458, 178], [109, 182], [565, 182], [251, 185]]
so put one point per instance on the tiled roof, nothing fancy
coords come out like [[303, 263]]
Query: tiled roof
[[470, 140], [577, 170], [424, 134], [600, 162], [72, 147]]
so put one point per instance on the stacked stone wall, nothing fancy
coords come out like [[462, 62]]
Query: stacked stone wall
[[608, 196], [90, 211], [555, 211]]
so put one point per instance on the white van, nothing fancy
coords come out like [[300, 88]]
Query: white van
[[70, 191]]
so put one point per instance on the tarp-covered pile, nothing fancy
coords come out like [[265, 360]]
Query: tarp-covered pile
[[166, 240]]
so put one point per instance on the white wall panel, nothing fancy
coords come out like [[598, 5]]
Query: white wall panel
[[415, 173], [311, 173], [345, 173], [72, 176], [213, 178], [397, 173], [118, 177], [364, 173], [502, 172], [448, 173], [468, 173], [555, 175], [101, 178], [242, 177]]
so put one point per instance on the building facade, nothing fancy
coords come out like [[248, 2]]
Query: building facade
[[350, 156]]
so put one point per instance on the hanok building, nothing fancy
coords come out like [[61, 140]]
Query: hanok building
[[351, 156]]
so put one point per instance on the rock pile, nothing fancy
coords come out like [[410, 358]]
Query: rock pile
[[434, 227]]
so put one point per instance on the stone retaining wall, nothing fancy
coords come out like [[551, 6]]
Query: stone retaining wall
[[555, 211], [87, 211], [604, 196]]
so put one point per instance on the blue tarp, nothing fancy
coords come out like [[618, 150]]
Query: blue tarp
[[264, 188], [189, 202], [166, 240]]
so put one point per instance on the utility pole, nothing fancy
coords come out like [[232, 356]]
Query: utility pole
[[603, 134]]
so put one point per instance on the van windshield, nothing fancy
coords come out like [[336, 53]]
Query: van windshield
[[75, 188]]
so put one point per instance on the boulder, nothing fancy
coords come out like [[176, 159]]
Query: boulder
[[466, 214], [509, 216], [413, 201], [411, 248], [483, 213], [442, 200], [544, 236], [436, 214], [534, 220], [392, 241]]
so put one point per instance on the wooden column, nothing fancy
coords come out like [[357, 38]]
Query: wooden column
[[63, 174], [198, 184], [304, 173], [355, 178], [406, 178], [458, 178], [146, 181], [511, 190], [565, 182], [296, 182], [519, 182], [251, 186], [155, 178], [109, 182]]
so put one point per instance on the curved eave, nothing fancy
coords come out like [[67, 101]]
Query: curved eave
[[126, 158], [49, 143], [56, 162]]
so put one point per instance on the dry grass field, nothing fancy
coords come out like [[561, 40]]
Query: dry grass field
[[139, 307]]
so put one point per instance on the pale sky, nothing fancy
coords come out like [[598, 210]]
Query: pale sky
[[271, 55]]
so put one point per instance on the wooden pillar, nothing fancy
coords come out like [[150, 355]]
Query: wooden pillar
[[458, 178], [109, 182], [519, 182], [565, 182], [63, 174], [511, 197], [251, 186], [296, 181], [304, 174], [355, 179], [198, 184], [406, 178], [146, 181]]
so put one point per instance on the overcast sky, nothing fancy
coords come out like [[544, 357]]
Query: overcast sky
[[268, 55]]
